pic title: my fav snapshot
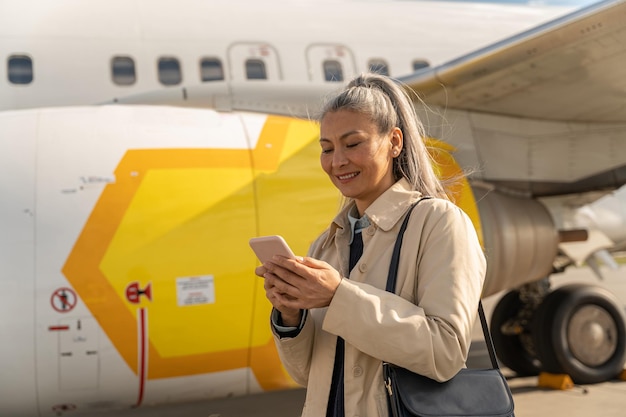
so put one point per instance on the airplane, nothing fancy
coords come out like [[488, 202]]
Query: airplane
[[143, 143], [605, 220]]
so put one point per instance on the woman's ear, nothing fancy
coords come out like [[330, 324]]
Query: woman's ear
[[397, 141]]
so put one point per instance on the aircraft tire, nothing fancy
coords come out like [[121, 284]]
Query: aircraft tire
[[509, 348], [580, 330]]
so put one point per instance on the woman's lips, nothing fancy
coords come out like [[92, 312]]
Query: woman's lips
[[346, 177]]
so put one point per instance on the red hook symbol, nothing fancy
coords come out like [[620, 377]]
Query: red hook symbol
[[134, 293]]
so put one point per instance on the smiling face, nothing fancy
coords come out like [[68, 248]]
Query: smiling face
[[357, 158]]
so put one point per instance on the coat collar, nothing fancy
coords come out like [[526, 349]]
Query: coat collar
[[384, 212]]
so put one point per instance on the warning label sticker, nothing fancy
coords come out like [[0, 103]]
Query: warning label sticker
[[195, 290], [63, 300]]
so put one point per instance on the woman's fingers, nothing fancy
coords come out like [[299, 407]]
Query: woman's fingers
[[285, 271], [304, 283], [260, 271], [281, 301], [277, 284]]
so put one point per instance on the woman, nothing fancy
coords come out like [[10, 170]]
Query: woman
[[333, 321]]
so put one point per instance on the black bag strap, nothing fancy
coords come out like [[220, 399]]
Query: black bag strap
[[393, 274]]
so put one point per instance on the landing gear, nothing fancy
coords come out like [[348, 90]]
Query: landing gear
[[511, 340], [579, 330]]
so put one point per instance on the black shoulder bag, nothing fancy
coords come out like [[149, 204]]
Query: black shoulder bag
[[471, 392]]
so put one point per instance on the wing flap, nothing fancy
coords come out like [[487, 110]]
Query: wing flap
[[570, 69]]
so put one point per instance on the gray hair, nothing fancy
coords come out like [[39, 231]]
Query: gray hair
[[389, 106]]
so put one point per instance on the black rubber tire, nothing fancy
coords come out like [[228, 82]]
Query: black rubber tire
[[542, 332], [510, 349], [550, 333]]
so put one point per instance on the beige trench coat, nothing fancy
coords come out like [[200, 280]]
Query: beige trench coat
[[426, 329]]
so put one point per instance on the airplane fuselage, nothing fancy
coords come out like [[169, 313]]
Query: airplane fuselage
[[69, 54]]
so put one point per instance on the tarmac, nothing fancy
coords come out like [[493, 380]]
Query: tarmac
[[607, 399]]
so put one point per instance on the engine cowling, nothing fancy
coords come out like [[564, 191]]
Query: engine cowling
[[520, 239]]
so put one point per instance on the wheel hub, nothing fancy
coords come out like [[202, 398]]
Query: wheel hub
[[592, 335]]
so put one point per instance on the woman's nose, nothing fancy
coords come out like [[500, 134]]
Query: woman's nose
[[339, 158]]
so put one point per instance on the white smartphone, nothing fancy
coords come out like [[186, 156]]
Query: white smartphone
[[267, 246]]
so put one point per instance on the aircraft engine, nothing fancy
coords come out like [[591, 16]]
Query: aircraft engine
[[520, 239], [577, 330]]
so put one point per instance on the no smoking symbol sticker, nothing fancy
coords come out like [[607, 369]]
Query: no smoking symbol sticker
[[63, 300]]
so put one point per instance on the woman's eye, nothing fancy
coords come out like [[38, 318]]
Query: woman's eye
[[352, 145], [325, 151]]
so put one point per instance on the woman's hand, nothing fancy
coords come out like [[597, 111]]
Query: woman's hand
[[290, 316], [294, 284]]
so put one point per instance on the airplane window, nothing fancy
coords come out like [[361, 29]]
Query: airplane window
[[211, 69], [20, 69], [123, 70], [255, 70], [379, 66], [333, 71], [419, 64], [169, 71]]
